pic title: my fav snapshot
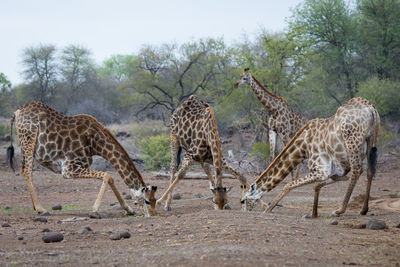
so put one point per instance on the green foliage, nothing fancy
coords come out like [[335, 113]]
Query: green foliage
[[383, 93], [156, 151], [141, 130], [386, 139], [4, 130], [260, 150], [5, 84]]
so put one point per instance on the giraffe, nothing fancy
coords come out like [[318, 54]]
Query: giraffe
[[193, 128], [284, 121], [334, 147], [66, 145]]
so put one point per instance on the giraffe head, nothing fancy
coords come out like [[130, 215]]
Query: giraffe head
[[147, 194], [220, 198], [249, 199], [245, 78]]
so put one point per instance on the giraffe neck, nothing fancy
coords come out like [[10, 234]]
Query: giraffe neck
[[293, 154], [270, 101], [110, 149]]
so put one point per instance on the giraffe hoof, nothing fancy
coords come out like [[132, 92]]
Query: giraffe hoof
[[167, 208], [227, 207], [131, 213]]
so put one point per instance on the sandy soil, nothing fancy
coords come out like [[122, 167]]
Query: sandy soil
[[193, 234]]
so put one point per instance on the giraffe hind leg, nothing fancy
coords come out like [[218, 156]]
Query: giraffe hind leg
[[28, 147]]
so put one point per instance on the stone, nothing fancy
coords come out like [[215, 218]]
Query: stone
[[306, 216], [334, 222], [20, 237], [119, 236], [99, 215], [7, 207], [117, 207], [52, 237], [176, 196], [45, 230], [57, 207], [5, 224], [46, 213], [374, 224], [198, 195], [127, 197], [40, 219], [84, 230]]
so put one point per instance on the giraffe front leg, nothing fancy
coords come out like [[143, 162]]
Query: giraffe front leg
[[310, 178], [235, 173], [187, 161], [175, 158], [272, 144], [77, 172]]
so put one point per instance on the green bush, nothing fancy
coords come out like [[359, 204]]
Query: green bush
[[4, 130], [384, 94], [156, 151], [260, 151]]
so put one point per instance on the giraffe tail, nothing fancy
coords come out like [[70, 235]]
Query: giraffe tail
[[10, 149], [373, 153], [178, 157]]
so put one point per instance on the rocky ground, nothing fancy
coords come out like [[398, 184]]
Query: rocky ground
[[193, 234]]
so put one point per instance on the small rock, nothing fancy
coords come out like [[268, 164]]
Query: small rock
[[334, 222], [99, 215], [117, 206], [6, 224], [123, 193], [7, 207], [375, 224], [306, 216], [40, 219], [57, 207], [398, 226], [176, 196], [118, 236], [128, 197], [20, 237], [45, 230], [198, 195], [84, 230], [46, 213], [52, 237]]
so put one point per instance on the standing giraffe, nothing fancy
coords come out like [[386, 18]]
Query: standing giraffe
[[193, 128], [66, 145], [284, 121], [334, 147]]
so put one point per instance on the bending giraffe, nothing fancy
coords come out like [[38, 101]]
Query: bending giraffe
[[335, 147], [66, 145], [193, 128], [284, 121]]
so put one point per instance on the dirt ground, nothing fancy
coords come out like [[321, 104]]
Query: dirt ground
[[193, 234]]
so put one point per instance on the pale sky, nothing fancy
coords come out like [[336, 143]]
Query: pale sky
[[122, 27]]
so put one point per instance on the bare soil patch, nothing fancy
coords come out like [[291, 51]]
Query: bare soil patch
[[193, 234]]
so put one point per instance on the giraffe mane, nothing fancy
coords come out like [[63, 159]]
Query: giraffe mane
[[109, 134], [217, 138], [281, 153], [268, 92]]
